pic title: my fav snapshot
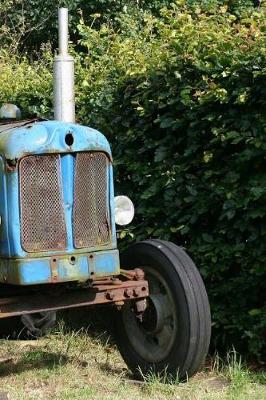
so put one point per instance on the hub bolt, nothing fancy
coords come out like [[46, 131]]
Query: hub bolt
[[110, 295], [136, 292], [128, 293]]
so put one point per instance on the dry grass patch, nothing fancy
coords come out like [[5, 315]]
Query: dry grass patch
[[76, 365]]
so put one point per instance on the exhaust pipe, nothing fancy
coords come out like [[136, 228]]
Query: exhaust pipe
[[64, 97]]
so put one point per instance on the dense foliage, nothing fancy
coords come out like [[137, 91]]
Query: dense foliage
[[28, 24], [182, 98]]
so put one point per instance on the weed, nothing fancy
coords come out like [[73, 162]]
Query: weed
[[79, 365]]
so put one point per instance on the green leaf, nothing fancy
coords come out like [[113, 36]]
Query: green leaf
[[254, 312]]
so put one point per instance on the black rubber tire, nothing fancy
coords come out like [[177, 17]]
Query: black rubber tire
[[39, 324], [190, 346], [28, 327]]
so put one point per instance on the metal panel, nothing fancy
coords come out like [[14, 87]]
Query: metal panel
[[42, 214], [43, 138], [91, 216], [8, 126], [107, 291], [59, 268]]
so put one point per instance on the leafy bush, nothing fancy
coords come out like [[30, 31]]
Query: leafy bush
[[181, 97], [27, 84], [182, 100], [26, 25]]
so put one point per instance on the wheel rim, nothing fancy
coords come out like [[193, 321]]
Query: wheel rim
[[153, 337]]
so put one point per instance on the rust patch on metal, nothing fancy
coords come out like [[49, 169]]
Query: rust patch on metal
[[100, 292], [53, 264], [91, 217], [134, 274], [11, 165], [43, 225], [14, 123]]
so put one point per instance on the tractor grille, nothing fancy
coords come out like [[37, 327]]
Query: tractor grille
[[91, 216], [41, 204]]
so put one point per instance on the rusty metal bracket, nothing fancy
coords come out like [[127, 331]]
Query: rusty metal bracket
[[133, 274], [106, 291]]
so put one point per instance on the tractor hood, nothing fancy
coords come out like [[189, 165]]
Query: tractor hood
[[20, 138]]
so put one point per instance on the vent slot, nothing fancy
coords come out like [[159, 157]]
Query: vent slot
[[41, 204], [91, 216]]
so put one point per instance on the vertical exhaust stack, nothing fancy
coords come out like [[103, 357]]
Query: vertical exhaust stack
[[64, 98]]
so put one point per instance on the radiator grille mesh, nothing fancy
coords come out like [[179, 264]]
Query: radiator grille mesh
[[91, 216], [41, 204]]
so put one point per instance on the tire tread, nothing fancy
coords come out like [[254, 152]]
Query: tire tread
[[196, 302]]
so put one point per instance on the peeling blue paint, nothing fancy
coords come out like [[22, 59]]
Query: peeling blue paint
[[18, 266], [42, 270], [106, 265], [49, 137]]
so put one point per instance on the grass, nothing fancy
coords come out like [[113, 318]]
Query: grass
[[77, 365]]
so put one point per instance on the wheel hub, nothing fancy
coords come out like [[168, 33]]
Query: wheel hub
[[152, 336], [153, 316]]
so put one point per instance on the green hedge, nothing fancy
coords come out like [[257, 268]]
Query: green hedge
[[181, 97], [26, 25], [27, 84], [182, 100]]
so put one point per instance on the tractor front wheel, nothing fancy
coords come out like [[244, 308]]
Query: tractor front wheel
[[173, 334]]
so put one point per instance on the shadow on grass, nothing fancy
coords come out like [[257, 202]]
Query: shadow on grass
[[97, 322], [33, 359], [113, 370]]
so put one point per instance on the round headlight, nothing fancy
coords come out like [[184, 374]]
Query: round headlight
[[10, 111], [124, 210]]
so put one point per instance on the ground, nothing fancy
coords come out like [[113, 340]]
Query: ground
[[85, 364]]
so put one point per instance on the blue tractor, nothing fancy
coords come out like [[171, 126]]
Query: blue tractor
[[58, 246]]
